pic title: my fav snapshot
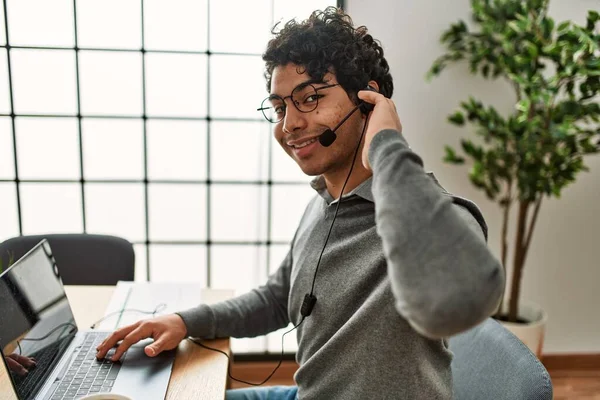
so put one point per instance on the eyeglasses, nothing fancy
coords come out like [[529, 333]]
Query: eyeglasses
[[305, 97]]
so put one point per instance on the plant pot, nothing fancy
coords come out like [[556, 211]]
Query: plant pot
[[532, 332]]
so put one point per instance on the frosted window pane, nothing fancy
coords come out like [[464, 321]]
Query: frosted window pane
[[51, 208], [111, 83], [7, 162], [48, 148], [176, 85], [4, 88], [277, 254], [113, 149], [288, 203], [239, 268], [41, 23], [290, 341], [140, 262], [240, 25], [109, 24], [284, 10], [236, 92], [176, 25], [8, 211], [177, 212], [284, 168], [115, 209], [178, 263], [44, 81], [2, 26], [248, 345], [176, 150], [238, 212], [245, 142]]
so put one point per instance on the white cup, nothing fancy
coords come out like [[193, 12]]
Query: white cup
[[105, 396]]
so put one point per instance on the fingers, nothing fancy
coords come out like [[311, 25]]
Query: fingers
[[27, 362], [113, 339], [157, 347], [142, 332], [379, 100], [371, 96], [16, 367]]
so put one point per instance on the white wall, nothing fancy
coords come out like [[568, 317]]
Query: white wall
[[563, 266]]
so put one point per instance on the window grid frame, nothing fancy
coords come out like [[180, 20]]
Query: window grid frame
[[82, 181]]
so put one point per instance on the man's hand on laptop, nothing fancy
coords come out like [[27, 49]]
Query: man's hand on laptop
[[167, 331], [19, 364]]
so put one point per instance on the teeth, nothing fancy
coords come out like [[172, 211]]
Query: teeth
[[304, 144]]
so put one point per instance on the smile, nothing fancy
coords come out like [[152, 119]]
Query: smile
[[303, 144]]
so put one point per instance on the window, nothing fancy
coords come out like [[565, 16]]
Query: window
[[124, 123]]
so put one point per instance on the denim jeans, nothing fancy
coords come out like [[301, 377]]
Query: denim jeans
[[263, 393]]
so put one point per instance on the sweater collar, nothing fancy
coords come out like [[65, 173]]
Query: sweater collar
[[363, 190]]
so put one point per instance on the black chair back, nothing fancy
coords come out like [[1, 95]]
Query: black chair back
[[82, 259]]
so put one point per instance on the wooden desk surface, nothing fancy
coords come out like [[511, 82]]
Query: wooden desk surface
[[198, 373]]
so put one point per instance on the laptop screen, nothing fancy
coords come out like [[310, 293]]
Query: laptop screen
[[35, 319]]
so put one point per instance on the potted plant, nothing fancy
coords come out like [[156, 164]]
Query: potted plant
[[538, 149]]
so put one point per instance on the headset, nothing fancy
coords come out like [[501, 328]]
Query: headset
[[326, 139]]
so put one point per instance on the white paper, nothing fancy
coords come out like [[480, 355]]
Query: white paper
[[167, 298]]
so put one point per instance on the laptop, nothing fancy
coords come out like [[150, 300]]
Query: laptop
[[36, 321]]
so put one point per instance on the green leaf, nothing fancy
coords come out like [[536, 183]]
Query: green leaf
[[471, 149], [563, 27], [548, 27], [457, 118], [531, 49], [515, 26], [524, 105], [451, 156], [486, 70], [592, 18]]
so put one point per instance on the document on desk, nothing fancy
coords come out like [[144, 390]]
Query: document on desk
[[134, 301]]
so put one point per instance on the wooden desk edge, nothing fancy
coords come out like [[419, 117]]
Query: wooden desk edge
[[198, 363]]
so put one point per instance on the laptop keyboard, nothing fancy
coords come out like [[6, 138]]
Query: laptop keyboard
[[26, 384], [87, 375]]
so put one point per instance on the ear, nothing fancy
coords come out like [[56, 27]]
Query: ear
[[374, 85]]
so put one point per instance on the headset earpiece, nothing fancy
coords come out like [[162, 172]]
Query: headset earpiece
[[365, 107]]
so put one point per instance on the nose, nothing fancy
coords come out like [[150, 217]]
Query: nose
[[293, 119]]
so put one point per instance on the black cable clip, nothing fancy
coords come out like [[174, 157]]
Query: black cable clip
[[308, 304]]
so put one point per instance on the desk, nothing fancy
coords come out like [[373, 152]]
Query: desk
[[197, 373]]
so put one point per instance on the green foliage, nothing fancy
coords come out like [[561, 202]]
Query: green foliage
[[555, 70], [539, 148]]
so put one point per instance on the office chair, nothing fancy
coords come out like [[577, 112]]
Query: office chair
[[82, 259], [491, 363]]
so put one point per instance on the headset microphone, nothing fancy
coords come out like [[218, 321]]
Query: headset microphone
[[328, 137]]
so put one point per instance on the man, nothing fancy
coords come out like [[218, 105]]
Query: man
[[396, 267]]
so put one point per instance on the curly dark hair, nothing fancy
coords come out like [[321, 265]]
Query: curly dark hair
[[328, 42]]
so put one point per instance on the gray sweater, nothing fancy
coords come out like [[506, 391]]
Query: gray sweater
[[406, 266]]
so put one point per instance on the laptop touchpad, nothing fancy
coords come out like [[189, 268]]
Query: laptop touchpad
[[142, 374]]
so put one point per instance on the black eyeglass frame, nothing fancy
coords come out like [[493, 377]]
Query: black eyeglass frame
[[299, 87]]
